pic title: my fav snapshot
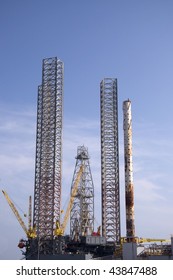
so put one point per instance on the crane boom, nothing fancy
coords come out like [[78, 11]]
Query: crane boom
[[60, 229], [140, 240], [31, 231], [146, 240], [16, 213], [73, 194]]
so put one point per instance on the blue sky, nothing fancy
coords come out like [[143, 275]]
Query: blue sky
[[128, 40]]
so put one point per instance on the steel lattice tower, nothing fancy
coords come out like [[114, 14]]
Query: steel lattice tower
[[47, 195], [82, 213], [110, 160]]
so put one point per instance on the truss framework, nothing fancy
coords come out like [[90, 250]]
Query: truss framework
[[110, 160], [47, 194], [82, 213]]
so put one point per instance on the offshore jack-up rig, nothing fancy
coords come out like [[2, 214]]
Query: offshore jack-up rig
[[46, 238]]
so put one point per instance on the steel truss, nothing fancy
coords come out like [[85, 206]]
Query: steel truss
[[47, 195], [82, 213], [110, 160]]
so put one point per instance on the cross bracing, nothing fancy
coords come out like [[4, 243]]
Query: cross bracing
[[47, 195], [82, 212], [110, 160]]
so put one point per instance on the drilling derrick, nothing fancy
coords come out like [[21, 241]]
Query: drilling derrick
[[110, 160], [82, 212], [129, 192], [47, 193]]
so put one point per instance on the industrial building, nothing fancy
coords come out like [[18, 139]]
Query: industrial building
[[45, 236]]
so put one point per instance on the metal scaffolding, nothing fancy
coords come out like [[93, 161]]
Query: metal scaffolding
[[129, 192], [110, 160], [82, 213], [47, 194]]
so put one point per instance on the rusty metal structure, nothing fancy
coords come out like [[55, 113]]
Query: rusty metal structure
[[82, 212], [47, 193], [129, 191], [110, 160]]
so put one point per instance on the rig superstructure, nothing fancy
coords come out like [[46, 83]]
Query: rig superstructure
[[46, 237]]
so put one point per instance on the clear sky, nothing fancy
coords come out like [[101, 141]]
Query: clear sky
[[130, 40]]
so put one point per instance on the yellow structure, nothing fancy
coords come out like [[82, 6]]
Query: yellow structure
[[30, 232], [60, 229]]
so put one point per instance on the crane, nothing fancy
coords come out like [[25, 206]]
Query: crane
[[30, 232], [148, 240], [60, 229], [140, 240]]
